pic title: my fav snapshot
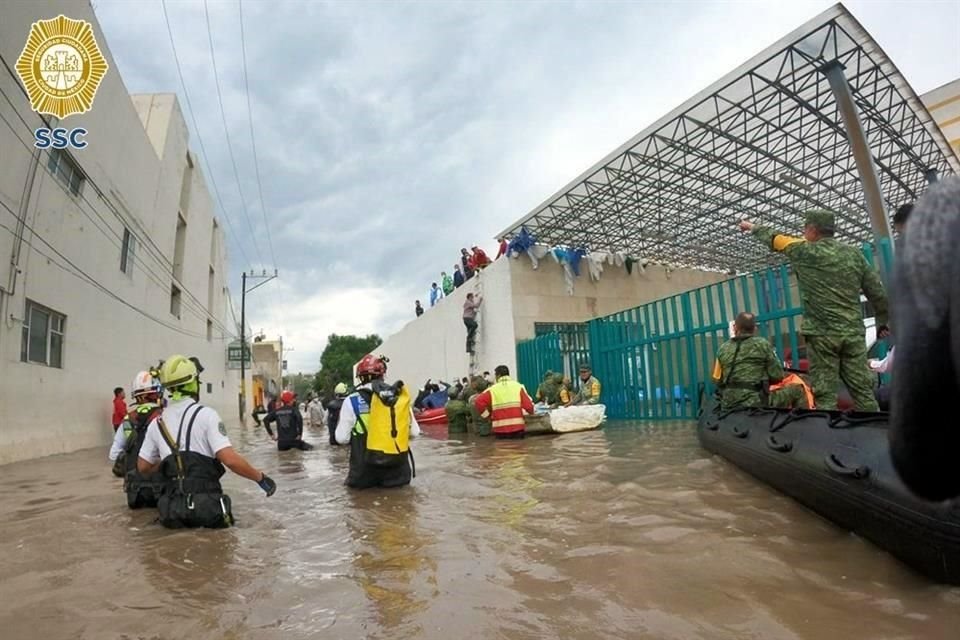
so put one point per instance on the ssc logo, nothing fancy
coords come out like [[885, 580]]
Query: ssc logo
[[61, 67]]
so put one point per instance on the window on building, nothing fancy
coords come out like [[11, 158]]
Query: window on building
[[66, 171], [209, 330], [175, 300], [127, 252], [179, 247], [42, 337], [209, 387]]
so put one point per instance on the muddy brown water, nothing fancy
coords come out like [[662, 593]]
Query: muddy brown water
[[628, 532]]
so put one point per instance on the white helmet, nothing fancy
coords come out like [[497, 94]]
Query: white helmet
[[145, 383]]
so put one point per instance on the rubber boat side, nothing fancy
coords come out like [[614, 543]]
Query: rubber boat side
[[839, 466]]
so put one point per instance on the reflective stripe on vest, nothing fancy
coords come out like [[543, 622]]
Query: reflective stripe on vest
[[505, 394]]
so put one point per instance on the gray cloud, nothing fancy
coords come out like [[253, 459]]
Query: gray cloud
[[392, 134]]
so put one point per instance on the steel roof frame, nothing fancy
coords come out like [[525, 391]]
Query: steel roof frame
[[765, 142]]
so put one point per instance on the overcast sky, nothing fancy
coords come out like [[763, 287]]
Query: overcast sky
[[392, 134]]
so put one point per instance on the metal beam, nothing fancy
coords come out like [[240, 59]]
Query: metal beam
[[862, 155]]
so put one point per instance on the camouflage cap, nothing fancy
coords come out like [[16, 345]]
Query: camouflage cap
[[820, 218], [585, 365]]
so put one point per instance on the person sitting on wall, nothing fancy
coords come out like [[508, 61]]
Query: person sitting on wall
[[745, 367], [480, 259], [589, 391]]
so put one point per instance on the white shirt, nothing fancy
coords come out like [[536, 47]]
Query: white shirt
[[209, 435], [885, 365], [348, 418], [119, 442]]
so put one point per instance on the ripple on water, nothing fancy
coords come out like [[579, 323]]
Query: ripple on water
[[627, 532]]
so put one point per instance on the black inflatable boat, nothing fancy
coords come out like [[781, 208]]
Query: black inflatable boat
[[838, 465]]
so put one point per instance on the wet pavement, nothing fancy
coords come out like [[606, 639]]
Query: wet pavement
[[628, 532]]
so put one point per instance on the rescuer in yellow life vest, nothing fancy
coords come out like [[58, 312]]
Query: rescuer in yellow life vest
[[589, 391], [377, 422]]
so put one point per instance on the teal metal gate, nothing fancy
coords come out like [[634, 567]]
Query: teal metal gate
[[652, 359]]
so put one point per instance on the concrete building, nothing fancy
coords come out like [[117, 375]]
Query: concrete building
[[516, 297], [266, 370], [943, 103], [112, 258]]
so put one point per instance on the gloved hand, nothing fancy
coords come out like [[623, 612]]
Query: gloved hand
[[268, 485]]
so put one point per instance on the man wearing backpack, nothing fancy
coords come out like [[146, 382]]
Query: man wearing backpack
[[377, 422], [188, 443], [142, 490]]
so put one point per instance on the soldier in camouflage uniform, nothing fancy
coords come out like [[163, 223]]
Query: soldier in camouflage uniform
[[548, 392], [830, 276], [745, 365]]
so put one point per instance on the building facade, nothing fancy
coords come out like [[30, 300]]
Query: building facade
[[943, 103], [112, 257], [266, 370], [517, 297]]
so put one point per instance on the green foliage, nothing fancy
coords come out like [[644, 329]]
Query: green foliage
[[300, 383], [338, 358]]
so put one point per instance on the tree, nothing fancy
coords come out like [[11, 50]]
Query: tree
[[338, 358], [300, 383]]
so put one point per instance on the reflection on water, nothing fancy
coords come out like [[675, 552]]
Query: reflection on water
[[629, 532]]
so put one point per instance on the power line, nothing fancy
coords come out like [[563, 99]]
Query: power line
[[196, 128], [253, 140], [202, 314], [152, 249], [226, 133], [79, 273]]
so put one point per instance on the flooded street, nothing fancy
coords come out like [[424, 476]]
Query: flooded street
[[628, 532]]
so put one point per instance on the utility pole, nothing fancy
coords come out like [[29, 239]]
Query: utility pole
[[264, 278]]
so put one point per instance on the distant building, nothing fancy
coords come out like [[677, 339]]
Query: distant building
[[266, 370], [111, 258], [943, 103]]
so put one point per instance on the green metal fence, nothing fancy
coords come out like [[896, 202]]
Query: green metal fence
[[574, 343], [652, 359], [537, 356]]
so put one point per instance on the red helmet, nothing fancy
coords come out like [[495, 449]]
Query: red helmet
[[286, 397], [372, 366]]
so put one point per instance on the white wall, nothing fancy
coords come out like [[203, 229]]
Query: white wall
[[434, 345], [540, 295], [133, 181]]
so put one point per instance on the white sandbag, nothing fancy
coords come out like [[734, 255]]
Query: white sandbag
[[577, 418]]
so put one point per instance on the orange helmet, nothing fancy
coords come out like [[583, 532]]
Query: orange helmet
[[372, 366], [286, 397]]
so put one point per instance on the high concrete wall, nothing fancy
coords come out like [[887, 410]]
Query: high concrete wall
[[132, 181], [434, 345], [540, 295]]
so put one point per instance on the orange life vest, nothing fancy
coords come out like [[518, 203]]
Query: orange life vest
[[792, 378]]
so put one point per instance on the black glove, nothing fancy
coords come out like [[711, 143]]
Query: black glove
[[268, 485]]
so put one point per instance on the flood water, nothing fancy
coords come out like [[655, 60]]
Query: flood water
[[628, 532]]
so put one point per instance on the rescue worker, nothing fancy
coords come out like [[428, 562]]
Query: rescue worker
[[142, 490], [377, 421], [830, 276], [289, 421], [315, 412], [566, 393], [505, 401], [548, 392], [188, 443], [470, 307], [746, 365], [589, 390], [333, 411]]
